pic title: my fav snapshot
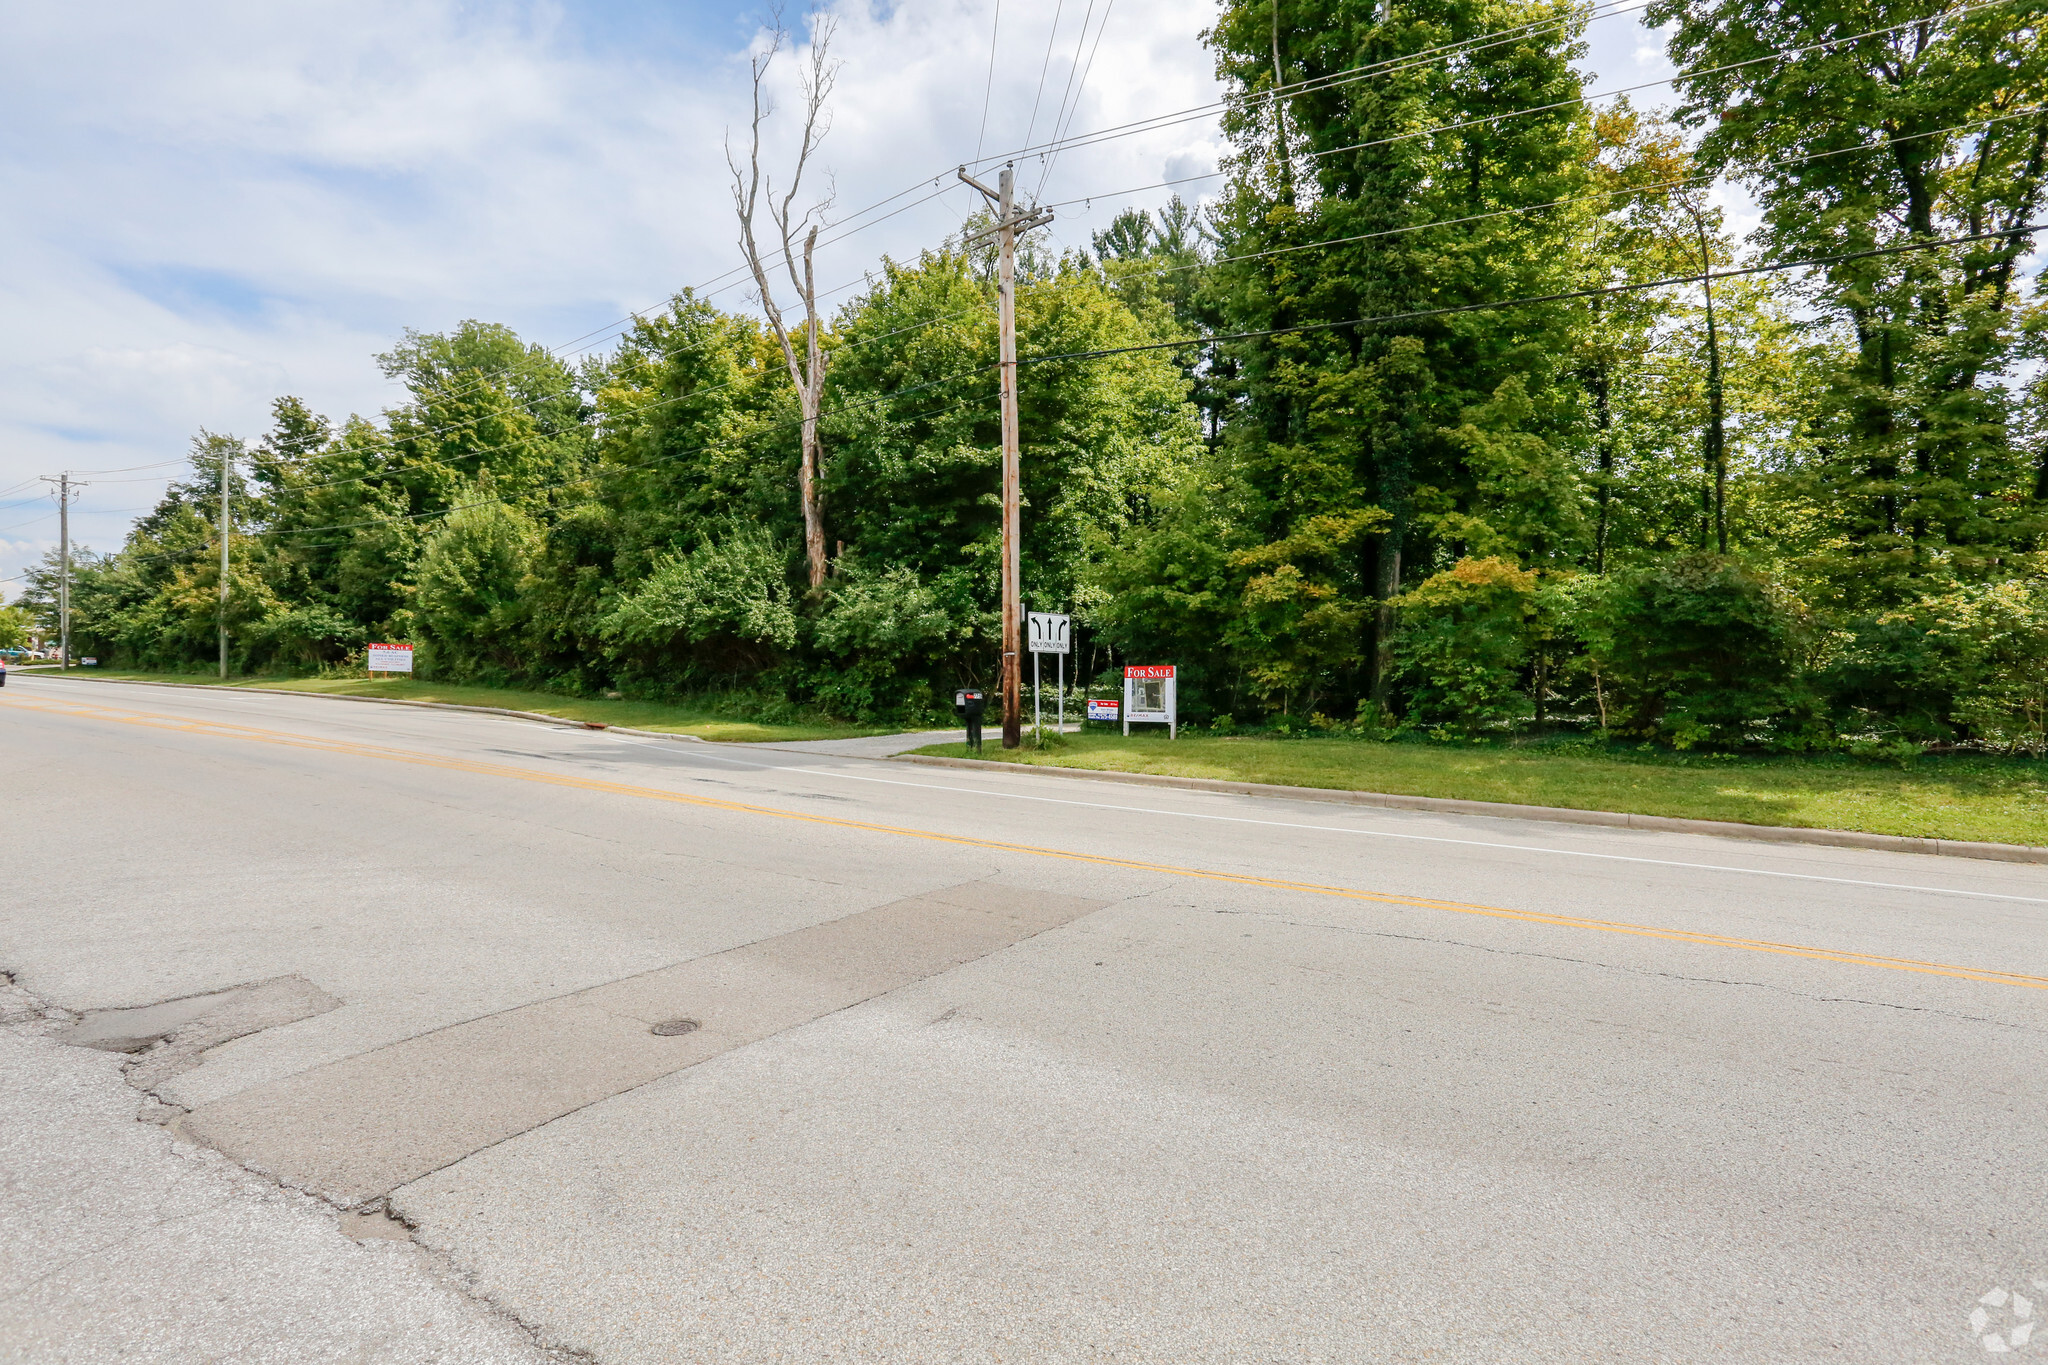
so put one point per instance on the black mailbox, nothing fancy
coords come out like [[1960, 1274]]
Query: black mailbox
[[968, 704]]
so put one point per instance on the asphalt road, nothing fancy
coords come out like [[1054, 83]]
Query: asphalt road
[[985, 1066]]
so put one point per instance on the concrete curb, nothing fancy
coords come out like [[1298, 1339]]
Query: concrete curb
[[1727, 829]]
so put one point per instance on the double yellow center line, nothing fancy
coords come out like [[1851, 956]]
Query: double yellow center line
[[258, 735]]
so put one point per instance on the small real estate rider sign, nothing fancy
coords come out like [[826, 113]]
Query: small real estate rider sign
[[389, 659], [1149, 697]]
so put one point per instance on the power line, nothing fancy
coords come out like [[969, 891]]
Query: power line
[[1060, 127], [1531, 109], [1387, 66], [1050, 38], [1476, 43], [601, 473], [1407, 60], [1563, 296], [1480, 42], [387, 475], [1705, 177], [1671, 79], [1608, 94], [162, 464], [1073, 69], [988, 88], [1212, 339], [702, 292], [1320, 82], [1178, 343]]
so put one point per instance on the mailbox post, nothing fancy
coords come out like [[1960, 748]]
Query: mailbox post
[[968, 704]]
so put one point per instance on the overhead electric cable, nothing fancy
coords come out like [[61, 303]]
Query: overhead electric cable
[[1562, 296], [988, 88], [1661, 186], [1060, 128], [601, 473], [1059, 115], [1388, 66], [1479, 42], [1051, 37], [1210, 339], [1512, 113]]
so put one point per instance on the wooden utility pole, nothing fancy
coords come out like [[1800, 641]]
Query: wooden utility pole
[[1010, 220], [66, 490], [226, 463]]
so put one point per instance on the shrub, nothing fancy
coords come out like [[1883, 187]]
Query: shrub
[[1695, 649], [1464, 639], [1989, 642], [878, 635], [471, 580], [731, 593]]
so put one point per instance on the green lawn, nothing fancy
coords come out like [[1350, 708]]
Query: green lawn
[[639, 715], [1950, 797]]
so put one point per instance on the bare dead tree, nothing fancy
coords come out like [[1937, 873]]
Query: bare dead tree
[[750, 191]]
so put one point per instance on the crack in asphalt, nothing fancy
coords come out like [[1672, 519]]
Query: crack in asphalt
[[197, 1162]]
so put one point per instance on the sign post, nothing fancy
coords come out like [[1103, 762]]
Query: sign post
[[388, 659], [1149, 697], [1051, 632]]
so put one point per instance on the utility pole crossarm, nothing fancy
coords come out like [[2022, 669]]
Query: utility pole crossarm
[[993, 196]]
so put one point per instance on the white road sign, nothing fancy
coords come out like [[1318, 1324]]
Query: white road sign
[[389, 659], [1049, 632]]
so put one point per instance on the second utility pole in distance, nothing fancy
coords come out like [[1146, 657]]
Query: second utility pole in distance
[[66, 491], [226, 463], [1010, 221]]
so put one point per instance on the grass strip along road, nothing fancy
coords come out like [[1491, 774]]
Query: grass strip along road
[[1948, 796]]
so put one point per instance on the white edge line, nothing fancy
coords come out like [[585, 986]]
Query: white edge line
[[1341, 829]]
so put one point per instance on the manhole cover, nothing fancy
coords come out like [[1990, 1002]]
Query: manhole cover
[[669, 1028]]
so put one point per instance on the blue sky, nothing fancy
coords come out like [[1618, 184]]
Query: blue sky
[[213, 204]]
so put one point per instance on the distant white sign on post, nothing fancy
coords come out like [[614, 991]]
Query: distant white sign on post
[[1049, 632], [389, 659]]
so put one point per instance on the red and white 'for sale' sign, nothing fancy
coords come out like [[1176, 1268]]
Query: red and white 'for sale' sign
[[1149, 671]]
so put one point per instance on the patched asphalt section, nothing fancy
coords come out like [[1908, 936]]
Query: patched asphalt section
[[119, 1243], [171, 1037], [354, 1130]]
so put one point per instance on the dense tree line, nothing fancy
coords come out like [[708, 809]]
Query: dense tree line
[[1473, 420]]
